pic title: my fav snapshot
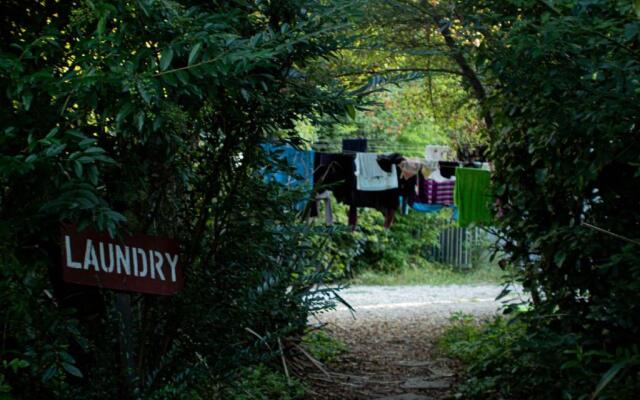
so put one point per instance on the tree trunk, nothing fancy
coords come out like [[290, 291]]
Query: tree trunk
[[467, 72]]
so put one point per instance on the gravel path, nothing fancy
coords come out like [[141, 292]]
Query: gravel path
[[391, 341], [436, 303]]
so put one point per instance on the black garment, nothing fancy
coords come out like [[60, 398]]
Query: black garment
[[382, 200], [356, 145], [448, 168], [385, 161], [407, 187], [336, 172]]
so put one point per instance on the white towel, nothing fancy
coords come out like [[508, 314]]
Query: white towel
[[370, 177], [437, 153]]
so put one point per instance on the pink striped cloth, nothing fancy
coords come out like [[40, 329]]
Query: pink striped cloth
[[439, 192]]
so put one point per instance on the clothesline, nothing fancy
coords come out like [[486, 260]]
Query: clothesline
[[374, 149], [420, 148], [365, 179]]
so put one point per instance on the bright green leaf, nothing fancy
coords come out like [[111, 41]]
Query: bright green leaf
[[94, 150], [52, 133], [351, 111], [93, 174], [143, 92], [87, 142], [559, 258]]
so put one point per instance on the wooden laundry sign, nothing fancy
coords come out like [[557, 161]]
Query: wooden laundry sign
[[138, 263]]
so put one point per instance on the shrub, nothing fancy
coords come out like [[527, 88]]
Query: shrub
[[373, 248], [561, 79], [261, 383], [505, 359], [147, 116]]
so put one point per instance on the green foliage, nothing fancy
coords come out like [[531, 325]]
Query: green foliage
[[406, 244], [565, 154], [424, 48], [146, 116], [405, 118], [556, 84], [477, 343], [33, 323], [426, 273], [263, 384], [322, 346], [399, 255], [552, 365], [371, 247]]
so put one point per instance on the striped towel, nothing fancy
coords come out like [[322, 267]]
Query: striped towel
[[439, 192]]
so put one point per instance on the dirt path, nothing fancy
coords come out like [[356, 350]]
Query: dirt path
[[390, 342]]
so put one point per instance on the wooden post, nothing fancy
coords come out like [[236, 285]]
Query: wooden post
[[123, 308]]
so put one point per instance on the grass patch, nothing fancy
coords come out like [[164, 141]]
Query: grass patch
[[431, 274], [263, 383], [323, 346]]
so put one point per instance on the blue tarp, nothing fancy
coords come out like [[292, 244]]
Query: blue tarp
[[432, 208], [300, 161]]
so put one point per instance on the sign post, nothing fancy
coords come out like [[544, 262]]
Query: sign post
[[125, 321], [138, 263]]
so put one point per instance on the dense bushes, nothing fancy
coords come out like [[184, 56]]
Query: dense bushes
[[547, 365], [372, 248], [146, 116], [564, 143]]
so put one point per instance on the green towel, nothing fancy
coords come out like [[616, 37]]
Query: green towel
[[472, 196]]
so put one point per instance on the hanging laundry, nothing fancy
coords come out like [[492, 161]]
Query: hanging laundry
[[328, 212], [473, 196], [300, 161], [371, 177], [427, 208], [448, 168], [437, 152], [426, 170], [407, 190], [435, 189], [440, 192], [336, 172], [409, 167], [354, 145], [385, 161]]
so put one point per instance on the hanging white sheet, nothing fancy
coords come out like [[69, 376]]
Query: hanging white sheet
[[370, 177]]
